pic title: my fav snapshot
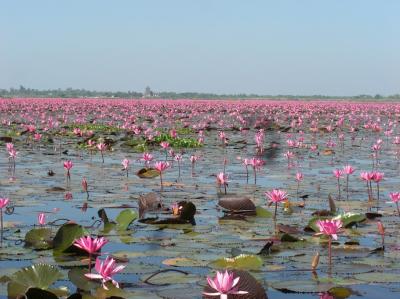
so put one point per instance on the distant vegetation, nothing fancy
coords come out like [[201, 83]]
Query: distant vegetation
[[23, 92]]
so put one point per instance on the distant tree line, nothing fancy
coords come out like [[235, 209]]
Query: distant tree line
[[23, 92]]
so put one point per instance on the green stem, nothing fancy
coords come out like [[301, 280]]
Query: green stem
[[1, 220], [330, 250]]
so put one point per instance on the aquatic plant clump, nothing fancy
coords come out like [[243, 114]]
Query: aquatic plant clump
[[118, 198]]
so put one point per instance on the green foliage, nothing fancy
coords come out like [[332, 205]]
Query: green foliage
[[179, 142], [100, 128], [66, 235], [40, 275], [39, 238], [243, 261]]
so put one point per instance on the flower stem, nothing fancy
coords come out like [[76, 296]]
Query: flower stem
[[330, 250], [1, 220], [90, 263]]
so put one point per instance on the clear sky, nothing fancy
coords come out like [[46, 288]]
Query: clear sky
[[335, 47]]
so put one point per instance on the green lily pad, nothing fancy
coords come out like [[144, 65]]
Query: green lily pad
[[172, 277], [78, 278], [147, 173], [340, 292], [125, 218], [378, 277], [38, 276], [66, 235], [263, 213], [350, 219], [299, 286], [243, 261], [39, 238]]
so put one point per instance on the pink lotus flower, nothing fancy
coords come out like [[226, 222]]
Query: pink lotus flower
[[38, 136], [194, 158], [367, 176], [173, 133], [222, 180], [68, 165], [224, 284], [377, 176], [125, 163], [42, 218], [329, 227], [89, 244], [348, 169], [299, 176], [276, 195], [147, 157], [395, 197], [161, 166], [9, 146], [106, 269], [12, 154], [164, 145], [4, 202], [338, 173], [102, 147]]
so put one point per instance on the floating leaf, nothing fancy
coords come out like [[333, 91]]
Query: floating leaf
[[263, 213], [39, 238], [125, 218], [243, 261], [147, 173], [183, 262], [172, 277], [299, 286], [350, 219], [39, 276], [378, 277], [289, 238], [340, 292], [78, 278], [66, 235], [237, 204]]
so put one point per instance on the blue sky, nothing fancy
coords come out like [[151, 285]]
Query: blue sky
[[335, 47]]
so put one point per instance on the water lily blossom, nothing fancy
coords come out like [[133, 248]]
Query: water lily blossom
[[348, 170], [68, 165], [125, 163], [329, 228], [222, 180], [90, 245], [42, 219], [395, 197], [276, 196], [224, 284], [161, 166], [106, 270]]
